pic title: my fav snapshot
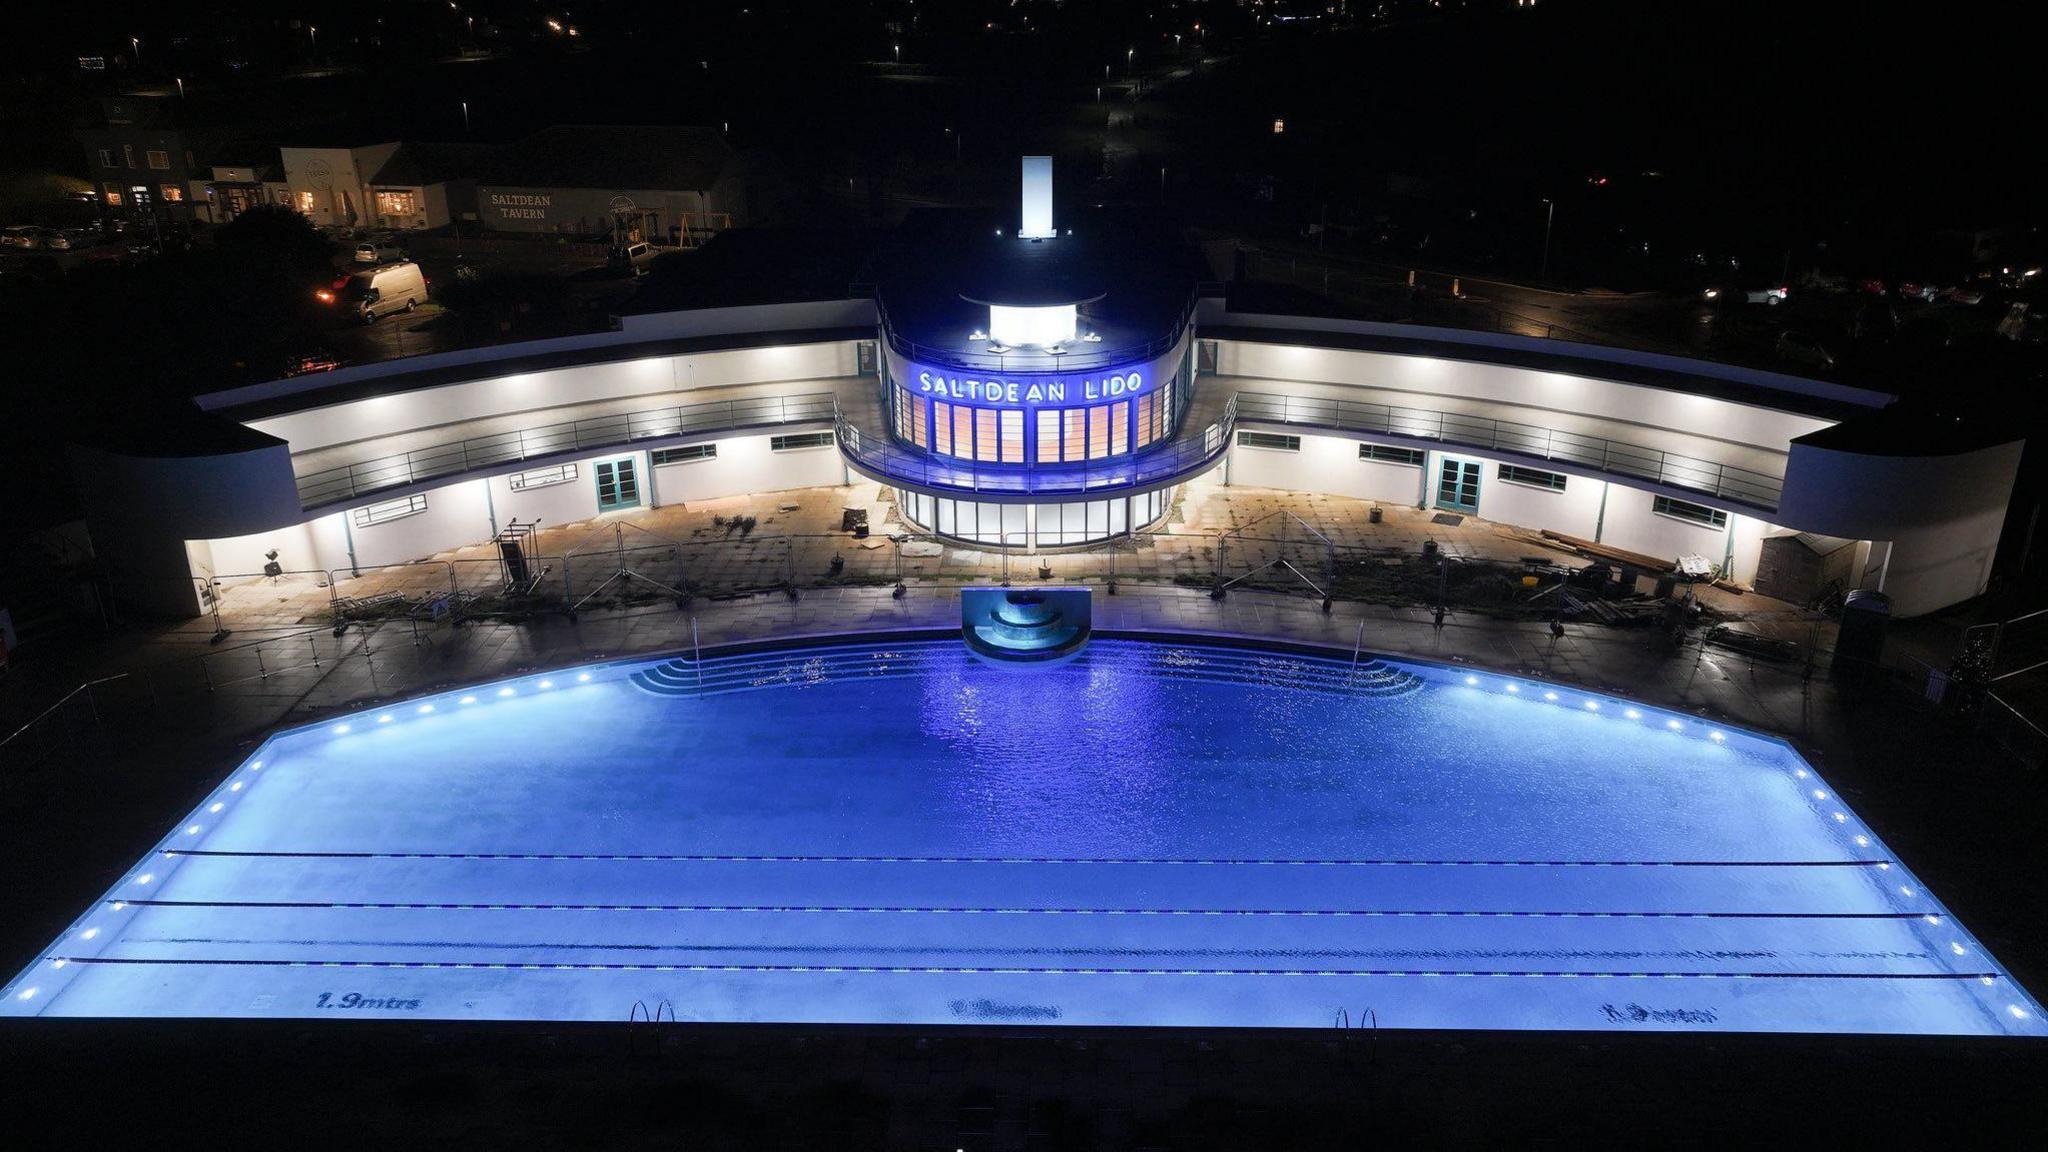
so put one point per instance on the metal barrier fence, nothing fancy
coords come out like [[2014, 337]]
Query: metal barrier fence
[[317, 489]]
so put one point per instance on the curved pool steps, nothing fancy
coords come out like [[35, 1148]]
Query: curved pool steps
[[683, 677]]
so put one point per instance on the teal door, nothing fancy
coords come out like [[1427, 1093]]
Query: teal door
[[618, 485], [1457, 486]]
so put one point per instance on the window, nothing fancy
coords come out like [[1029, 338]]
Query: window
[[542, 477], [128, 155], [1267, 440], [113, 197], [920, 431], [1148, 409], [985, 435], [1098, 433], [1686, 510], [1120, 428], [1412, 457], [159, 160], [685, 454], [106, 157], [1048, 436], [389, 510], [799, 441], [173, 193], [1533, 477], [1013, 437], [305, 204], [942, 428], [396, 204]]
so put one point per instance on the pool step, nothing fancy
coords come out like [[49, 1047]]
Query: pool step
[[683, 677]]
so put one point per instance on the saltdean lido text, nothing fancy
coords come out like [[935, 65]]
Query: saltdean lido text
[[1031, 392]]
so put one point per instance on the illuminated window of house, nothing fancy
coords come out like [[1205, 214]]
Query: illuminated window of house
[[173, 194], [306, 202], [396, 204], [113, 196]]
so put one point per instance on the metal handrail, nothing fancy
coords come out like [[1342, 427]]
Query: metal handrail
[[878, 453], [1035, 361], [85, 687], [364, 477], [1739, 485]]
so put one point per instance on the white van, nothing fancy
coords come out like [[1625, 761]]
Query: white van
[[379, 291]]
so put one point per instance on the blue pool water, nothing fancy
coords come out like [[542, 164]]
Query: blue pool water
[[1151, 834]]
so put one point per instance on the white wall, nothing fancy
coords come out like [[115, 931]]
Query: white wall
[[1211, 311], [1555, 399], [455, 516], [1632, 523], [244, 555], [804, 317], [747, 464], [1574, 511], [459, 514], [1325, 464], [664, 379], [558, 504]]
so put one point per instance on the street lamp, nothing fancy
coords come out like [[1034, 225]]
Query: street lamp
[[465, 117], [181, 86], [899, 52], [135, 45], [1549, 214]]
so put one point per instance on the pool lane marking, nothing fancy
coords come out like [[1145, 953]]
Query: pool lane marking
[[996, 970], [733, 858], [968, 910]]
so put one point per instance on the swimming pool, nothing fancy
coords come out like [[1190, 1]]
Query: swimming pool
[[1164, 834]]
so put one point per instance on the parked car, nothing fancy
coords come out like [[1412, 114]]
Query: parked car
[[1805, 351], [23, 236], [69, 239], [310, 363], [631, 259], [1912, 290], [1772, 294], [376, 292], [378, 250]]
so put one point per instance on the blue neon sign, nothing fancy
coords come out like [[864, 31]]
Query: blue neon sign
[[1029, 391]]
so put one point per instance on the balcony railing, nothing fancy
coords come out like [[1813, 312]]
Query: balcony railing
[[1080, 357], [874, 452], [1758, 490], [384, 473]]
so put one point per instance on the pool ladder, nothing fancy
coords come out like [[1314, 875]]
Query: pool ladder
[[663, 1012]]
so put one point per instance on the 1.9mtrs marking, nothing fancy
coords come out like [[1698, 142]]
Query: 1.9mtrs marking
[[358, 1000]]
